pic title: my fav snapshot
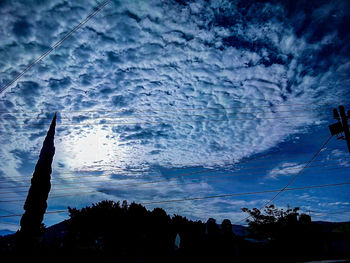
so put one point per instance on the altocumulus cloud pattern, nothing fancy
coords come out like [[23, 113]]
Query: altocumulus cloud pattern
[[150, 60]]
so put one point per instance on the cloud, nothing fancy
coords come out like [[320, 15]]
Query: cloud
[[334, 204], [285, 169], [128, 84], [341, 157]]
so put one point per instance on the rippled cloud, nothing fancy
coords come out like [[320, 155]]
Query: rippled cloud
[[165, 83]]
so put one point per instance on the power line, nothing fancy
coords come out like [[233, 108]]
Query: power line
[[186, 166], [161, 176], [183, 174], [210, 180], [5, 210], [255, 156], [194, 165], [141, 123], [57, 44], [144, 185], [166, 122], [8, 223], [293, 178], [49, 212], [181, 168], [209, 197], [166, 116], [179, 109], [328, 213], [169, 175], [240, 194]]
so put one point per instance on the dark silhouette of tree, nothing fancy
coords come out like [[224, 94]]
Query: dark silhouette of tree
[[228, 243], [111, 231], [212, 229], [212, 240], [226, 227], [131, 233], [36, 202], [305, 219], [192, 235], [270, 222], [288, 233]]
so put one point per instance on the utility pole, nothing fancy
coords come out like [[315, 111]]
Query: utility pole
[[341, 126]]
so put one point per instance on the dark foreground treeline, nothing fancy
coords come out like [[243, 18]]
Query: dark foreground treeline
[[114, 232]]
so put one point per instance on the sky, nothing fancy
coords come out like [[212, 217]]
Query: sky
[[170, 100]]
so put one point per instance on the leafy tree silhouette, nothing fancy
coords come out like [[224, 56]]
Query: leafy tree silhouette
[[111, 231], [130, 233], [286, 230], [226, 227], [270, 222]]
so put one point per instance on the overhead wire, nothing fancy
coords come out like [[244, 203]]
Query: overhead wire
[[137, 173], [211, 179], [57, 44], [220, 163], [192, 165], [166, 180], [328, 213], [49, 212], [220, 196], [214, 196], [198, 198], [61, 129], [164, 116], [301, 170], [294, 177], [246, 193], [144, 185], [170, 109], [181, 176], [8, 223], [20, 126], [293, 151], [108, 118], [163, 122]]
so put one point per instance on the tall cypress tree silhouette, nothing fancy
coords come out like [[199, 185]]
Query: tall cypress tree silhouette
[[36, 202]]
